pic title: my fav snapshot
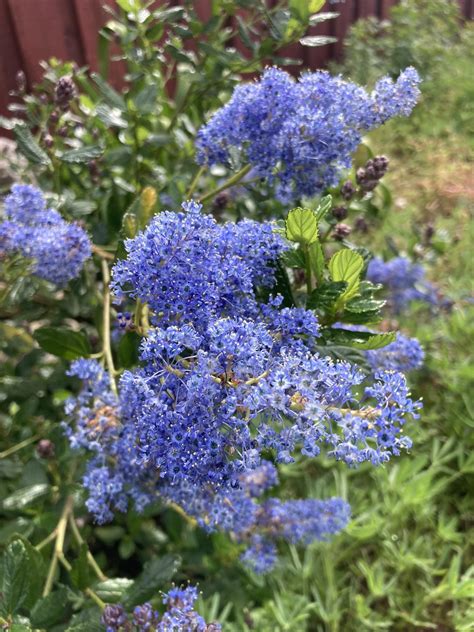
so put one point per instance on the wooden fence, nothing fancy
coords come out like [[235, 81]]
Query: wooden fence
[[33, 30]]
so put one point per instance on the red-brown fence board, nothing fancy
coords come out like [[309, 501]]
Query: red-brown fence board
[[33, 30]]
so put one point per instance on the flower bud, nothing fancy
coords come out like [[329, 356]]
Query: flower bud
[[341, 231], [339, 212], [361, 225], [64, 92], [348, 190], [45, 449]]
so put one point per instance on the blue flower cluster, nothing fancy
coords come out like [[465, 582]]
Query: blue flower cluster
[[57, 248], [301, 134], [404, 281], [179, 615], [189, 269], [403, 354], [226, 386]]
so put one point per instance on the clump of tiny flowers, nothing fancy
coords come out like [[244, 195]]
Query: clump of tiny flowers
[[301, 134], [404, 282], [403, 354], [58, 249], [227, 387], [180, 614]]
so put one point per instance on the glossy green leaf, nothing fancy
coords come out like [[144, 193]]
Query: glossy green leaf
[[25, 496], [82, 154], [326, 295], [80, 574], [111, 590], [155, 574], [302, 226], [15, 584], [62, 342], [51, 610], [347, 265], [317, 40], [323, 207]]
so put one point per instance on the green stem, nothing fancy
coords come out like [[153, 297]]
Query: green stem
[[90, 558], [107, 347], [89, 592], [18, 446], [60, 532], [235, 179], [195, 181], [308, 273]]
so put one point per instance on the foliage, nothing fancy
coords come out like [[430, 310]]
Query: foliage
[[115, 159]]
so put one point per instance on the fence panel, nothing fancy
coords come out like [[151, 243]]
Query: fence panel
[[33, 30]]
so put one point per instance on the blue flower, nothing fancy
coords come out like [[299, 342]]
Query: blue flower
[[57, 249], [300, 135]]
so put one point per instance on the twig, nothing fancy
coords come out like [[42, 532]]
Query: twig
[[19, 446], [60, 533], [235, 179], [90, 558], [107, 347]]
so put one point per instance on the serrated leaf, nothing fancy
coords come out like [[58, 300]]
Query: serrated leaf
[[347, 265], [110, 96], [28, 146], [376, 341], [63, 343], [363, 305], [24, 496], [302, 226], [80, 569], [323, 207], [15, 581], [317, 40], [293, 259], [82, 154], [110, 116], [316, 261], [363, 340], [111, 590], [155, 573], [326, 295], [50, 610]]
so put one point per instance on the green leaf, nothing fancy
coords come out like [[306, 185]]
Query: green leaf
[[293, 258], [82, 154], [145, 101], [323, 207], [317, 40], [80, 569], [155, 573], [111, 590], [323, 17], [24, 496], [51, 610], [128, 349], [302, 226], [28, 146], [363, 340], [316, 261], [283, 286], [110, 116], [110, 96], [63, 343], [346, 265], [362, 305], [376, 341], [345, 353], [15, 584], [326, 295]]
